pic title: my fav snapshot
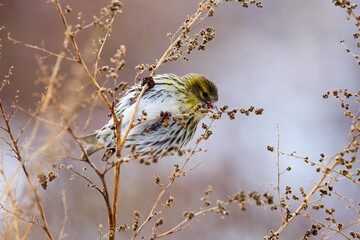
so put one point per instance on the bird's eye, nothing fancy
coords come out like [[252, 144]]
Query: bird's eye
[[205, 95]]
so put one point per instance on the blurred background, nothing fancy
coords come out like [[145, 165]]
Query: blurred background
[[282, 58]]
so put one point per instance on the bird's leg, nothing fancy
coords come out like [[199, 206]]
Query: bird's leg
[[109, 152]]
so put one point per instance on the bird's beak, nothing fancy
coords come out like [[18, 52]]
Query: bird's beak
[[211, 107]]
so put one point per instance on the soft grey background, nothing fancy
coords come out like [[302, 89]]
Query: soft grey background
[[282, 58]]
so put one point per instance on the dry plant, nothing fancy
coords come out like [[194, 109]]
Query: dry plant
[[333, 171], [343, 166], [56, 115], [59, 113]]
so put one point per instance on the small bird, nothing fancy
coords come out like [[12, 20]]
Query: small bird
[[167, 99]]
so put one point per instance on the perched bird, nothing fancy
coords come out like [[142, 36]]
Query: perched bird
[[167, 97]]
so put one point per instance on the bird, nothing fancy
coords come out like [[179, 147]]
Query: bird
[[168, 109]]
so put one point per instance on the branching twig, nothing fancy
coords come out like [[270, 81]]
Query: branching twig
[[42, 49], [151, 214], [91, 183], [181, 226], [20, 217], [306, 200], [326, 226], [27, 175], [194, 19], [105, 192], [49, 94]]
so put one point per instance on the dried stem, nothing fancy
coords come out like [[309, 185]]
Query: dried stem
[[306, 200], [27, 175], [117, 173], [278, 174], [193, 20], [350, 202], [12, 201], [119, 147], [42, 49], [91, 183], [97, 58], [49, 94], [20, 217], [27, 232], [326, 226], [101, 175], [181, 226], [151, 214], [81, 60], [62, 231]]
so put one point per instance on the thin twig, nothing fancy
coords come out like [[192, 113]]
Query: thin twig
[[20, 217], [350, 202], [326, 226], [103, 96], [48, 144], [179, 226], [8, 184], [27, 232], [97, 58], [49, 94], [80, 58], [91, 183], [98, 172], [306, 200], [62, 56], [193, 20], [62, 231], [92, 110], [27, 175], [151, 214], [278, 174], [41, 119], [12, 201]]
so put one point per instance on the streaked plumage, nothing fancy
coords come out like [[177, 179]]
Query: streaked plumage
[[172, 94]]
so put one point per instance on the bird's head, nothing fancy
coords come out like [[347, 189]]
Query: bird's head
[[200, 91]]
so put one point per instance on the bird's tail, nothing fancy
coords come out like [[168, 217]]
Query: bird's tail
[[91, 144]]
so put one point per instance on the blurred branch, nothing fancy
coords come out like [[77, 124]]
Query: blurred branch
[[19, 158], [42, 49], [278, 174], [49, 94], [8, 184], [11, 198], [112, 212], [27, 232], [80, 59], [20, 217], [62, 231], [176, 174]]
